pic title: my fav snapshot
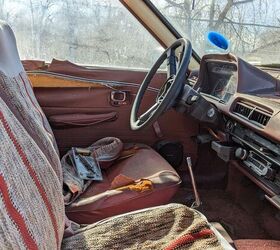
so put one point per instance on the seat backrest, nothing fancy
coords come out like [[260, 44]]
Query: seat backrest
[[16, 90], [31, 200]]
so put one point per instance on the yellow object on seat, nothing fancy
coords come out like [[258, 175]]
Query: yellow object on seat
[[141, 186]]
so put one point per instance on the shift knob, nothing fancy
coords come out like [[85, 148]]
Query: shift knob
[[241, 153]]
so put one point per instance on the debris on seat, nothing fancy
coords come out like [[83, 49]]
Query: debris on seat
[[120, 181], [78, 165], [140, 186]]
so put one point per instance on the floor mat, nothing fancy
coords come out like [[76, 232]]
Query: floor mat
[[219, 207]]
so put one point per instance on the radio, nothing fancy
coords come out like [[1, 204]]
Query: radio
[[257, 155], [259, 165]]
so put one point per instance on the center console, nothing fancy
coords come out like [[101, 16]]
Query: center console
[[257, 155]]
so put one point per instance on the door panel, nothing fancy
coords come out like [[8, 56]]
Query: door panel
[[95, 101]]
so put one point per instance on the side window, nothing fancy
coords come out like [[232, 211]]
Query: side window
[[90, 32]]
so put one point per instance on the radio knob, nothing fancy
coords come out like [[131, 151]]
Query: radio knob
[[241, 153]]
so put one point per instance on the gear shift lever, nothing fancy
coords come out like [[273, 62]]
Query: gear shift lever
[[197, 201]]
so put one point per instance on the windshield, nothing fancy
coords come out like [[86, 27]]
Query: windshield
[[251, 26]]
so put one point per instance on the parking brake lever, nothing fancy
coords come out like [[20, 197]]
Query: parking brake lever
[[197, 201]]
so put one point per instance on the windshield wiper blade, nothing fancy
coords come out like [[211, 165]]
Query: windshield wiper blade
[[270, 65]]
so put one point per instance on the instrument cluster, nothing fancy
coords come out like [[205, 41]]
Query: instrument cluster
[[222, 80]]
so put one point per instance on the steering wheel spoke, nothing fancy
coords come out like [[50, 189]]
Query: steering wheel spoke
[[165, 88], [149, 112]]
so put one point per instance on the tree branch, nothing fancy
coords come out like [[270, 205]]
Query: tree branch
[[174, 4], [243, 1]]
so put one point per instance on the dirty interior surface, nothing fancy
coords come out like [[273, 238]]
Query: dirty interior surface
[[219, 206], [238, 205]]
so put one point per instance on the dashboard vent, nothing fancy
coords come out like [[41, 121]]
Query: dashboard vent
[[260, 117], [243, 110], [252, 113]]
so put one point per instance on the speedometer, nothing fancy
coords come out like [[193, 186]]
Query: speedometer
[[220, 87], [222, 79]]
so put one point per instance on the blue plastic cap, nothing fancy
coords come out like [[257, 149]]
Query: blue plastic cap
[[218, 40]]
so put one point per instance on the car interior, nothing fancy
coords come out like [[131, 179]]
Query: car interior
[[195, 145]]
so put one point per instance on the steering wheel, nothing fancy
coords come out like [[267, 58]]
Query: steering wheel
[[169, 91]]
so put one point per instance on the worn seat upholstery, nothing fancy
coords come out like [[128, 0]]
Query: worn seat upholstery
[[95, 204], [100, 201]]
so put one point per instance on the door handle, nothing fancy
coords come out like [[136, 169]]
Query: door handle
[[119, 97]]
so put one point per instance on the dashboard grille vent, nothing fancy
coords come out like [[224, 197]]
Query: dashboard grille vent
[[252, 113], [260, 117], [243, 110]]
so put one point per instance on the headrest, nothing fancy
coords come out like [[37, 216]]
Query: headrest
[[10, 63]]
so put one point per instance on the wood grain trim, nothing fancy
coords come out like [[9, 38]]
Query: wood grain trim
[[274, 201], [49, 81]]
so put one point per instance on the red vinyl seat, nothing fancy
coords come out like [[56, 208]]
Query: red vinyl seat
[[100, 201]]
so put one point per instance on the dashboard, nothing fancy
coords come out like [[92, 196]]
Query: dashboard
[[248, 102]]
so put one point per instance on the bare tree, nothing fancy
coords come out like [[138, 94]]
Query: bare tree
[[103, 32]]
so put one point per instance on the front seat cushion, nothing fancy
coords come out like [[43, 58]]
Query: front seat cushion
[[101, 200]]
